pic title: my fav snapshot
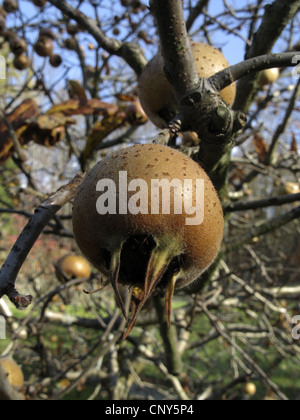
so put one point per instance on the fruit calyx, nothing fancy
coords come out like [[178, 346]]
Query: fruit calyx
[[161, 270]]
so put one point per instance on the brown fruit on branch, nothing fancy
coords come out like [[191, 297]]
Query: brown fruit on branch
[[72, 29], [56, 60], [72, 267], [39, 3], [18, 46], [44, 47], [71, 44], [136, 243], [15, 374], [9, 34], [156, 93], [21, 62], [268, 77], [48, 33], [10, 6]]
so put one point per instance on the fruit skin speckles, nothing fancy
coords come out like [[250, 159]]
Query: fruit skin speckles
[[148, 253]]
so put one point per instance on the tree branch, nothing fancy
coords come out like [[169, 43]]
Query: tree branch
[[263, 228], [28, 237], [195, 13], [252, 66], [276, 18], [130, 52], [270, 158], [176, 47], [221, 330], [261, 204]]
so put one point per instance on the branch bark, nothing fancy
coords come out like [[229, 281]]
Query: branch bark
[[130, 52], [252, 66], [175, 47], [261, 204]]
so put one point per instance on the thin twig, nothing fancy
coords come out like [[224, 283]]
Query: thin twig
[[27, 239], [221, 330]]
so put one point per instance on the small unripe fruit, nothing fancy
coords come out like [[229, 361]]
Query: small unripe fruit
[[10, 6], [156, 93], [291, 188], [17, 46], [21, 62], [44, 47], [15, 374], [249, 389], [48, 33], [55, 60], [150, 251], [70, 44], [9, 34], [73, 267], [268, 77], [72, 29]]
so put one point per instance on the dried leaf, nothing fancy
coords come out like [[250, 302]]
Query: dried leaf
[[91, 107], [49, 122], [294, 145], [69, 107], [76, 91], [18, 118], [101, 130], [261, 147]]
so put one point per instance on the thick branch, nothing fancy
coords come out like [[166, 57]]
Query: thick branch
[[175, 47], [130, 52], [252, 66], [28, 237]]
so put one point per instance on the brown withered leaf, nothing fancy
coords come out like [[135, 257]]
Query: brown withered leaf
[[49, 122], [261, 147], [76, 91], [46, 130], [101, 130], [126, 114], [91, 107], [26, 110]]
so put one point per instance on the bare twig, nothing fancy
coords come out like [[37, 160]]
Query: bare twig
[[254, 65], [130, 52], [221, 330], [26, 240], [263, 228], [261, 204]]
